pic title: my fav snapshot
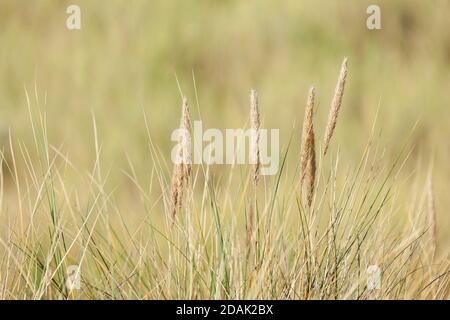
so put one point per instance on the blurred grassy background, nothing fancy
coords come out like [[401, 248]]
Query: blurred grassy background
[[128, 54]]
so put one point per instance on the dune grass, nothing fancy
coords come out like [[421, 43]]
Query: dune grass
[[231, 237]]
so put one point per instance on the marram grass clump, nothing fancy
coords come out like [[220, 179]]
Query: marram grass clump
[[188, 231]]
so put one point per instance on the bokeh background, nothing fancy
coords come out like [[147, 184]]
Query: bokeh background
[[129, 54]]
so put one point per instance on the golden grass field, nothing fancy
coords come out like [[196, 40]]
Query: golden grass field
[[86, 118]]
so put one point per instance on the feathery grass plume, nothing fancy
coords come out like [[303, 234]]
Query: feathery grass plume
[[182, 169], [307, 135], [255, 126], [335, 106], [311, 170], [432, 213], [186, 140]]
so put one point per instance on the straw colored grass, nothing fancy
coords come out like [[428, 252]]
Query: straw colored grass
[[122, 239]]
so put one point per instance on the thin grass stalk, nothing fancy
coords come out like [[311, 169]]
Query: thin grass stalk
[[255, 161], [432, 214]]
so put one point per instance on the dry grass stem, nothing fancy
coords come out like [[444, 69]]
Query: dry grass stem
[[432, 213], [250, 222]]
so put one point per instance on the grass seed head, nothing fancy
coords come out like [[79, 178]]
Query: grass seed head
[[255, 126], [307, 135], [335, 106], [182, 171], [311, 171]]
